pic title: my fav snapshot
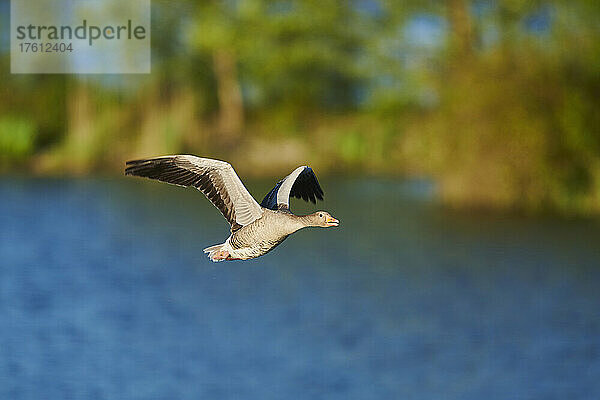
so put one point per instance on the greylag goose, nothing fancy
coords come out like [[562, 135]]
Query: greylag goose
[[256, 228]]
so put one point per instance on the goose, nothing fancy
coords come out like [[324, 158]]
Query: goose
[[256, 228]]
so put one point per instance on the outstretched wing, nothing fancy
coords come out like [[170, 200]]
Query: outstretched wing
[[216, 179], [301, 183]]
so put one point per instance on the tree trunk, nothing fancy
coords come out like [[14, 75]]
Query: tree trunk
[[231, 107], [461, 33], [79, 146]]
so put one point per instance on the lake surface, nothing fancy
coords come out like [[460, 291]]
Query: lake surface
[[105, 294]]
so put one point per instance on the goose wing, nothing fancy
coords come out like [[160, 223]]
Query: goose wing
[[216, 179], [301, 183]]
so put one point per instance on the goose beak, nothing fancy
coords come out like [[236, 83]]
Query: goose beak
[[330, 221]]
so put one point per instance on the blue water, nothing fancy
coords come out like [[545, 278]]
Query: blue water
[[105, 294]]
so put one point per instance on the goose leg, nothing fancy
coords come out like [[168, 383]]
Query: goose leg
[[221, 255]]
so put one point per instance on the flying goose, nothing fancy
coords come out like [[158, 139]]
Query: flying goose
[[256, 228]]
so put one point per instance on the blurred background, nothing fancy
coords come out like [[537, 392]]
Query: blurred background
[[457, 141]]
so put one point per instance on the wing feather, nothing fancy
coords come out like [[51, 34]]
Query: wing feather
[[216, 179], [302, 183]]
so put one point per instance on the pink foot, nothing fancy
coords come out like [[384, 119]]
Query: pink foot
[[221, 255]]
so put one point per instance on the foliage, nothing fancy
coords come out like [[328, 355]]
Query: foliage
[[17, 137]]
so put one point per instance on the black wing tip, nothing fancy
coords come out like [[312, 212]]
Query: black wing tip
[[149, 160], [135, 167], [306, 187], [318, 190]]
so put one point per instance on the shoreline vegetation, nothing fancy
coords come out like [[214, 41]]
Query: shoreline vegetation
[[497, 104]]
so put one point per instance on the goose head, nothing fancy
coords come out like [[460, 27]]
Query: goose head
[[322, 219]]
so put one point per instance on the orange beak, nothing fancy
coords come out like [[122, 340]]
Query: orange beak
[[330, 221]]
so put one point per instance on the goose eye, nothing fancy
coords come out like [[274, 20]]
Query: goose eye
[[320, 215]]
